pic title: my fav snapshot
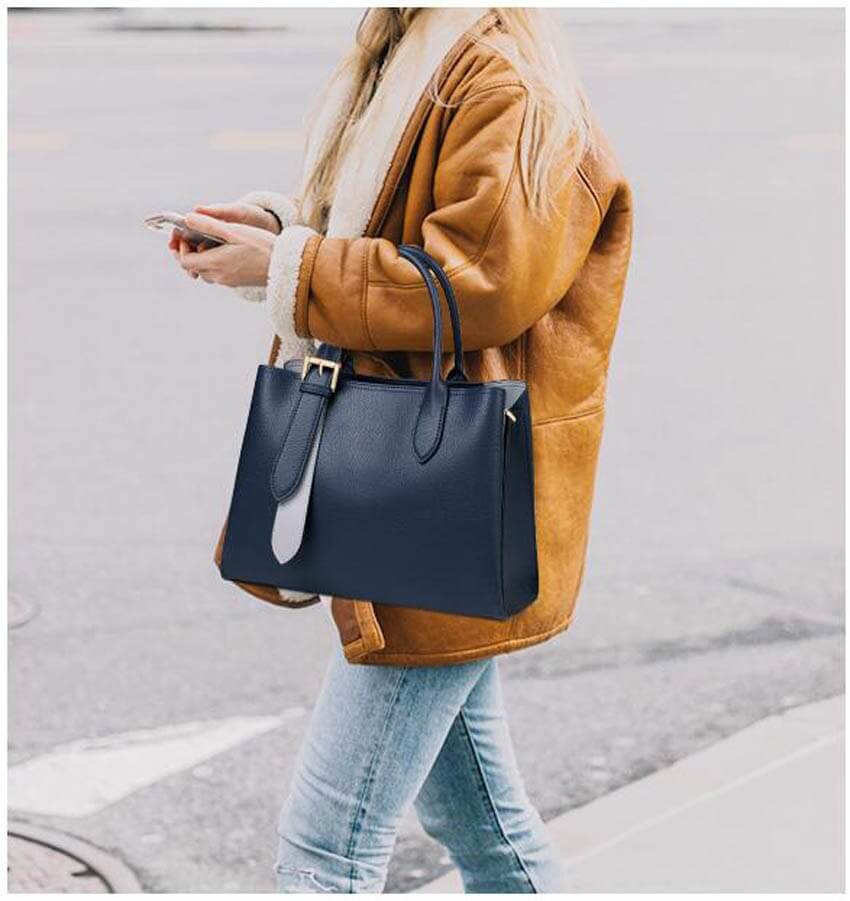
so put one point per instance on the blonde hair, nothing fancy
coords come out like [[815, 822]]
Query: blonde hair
[[556, 129]]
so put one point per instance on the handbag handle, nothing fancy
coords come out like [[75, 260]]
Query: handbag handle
[[428, 431], [407, 251], [437, 270]]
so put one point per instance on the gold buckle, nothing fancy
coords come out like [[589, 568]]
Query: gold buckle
[[322, 364]]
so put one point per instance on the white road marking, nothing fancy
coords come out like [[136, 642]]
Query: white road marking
[[83, 777], [38, 140]]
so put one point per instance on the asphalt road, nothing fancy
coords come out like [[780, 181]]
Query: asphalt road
[[714, 593]]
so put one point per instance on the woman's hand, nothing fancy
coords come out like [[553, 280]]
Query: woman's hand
[[243, 261], [243, 214], [240, 213]]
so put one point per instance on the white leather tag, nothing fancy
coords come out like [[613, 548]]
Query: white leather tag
[[513, 392], [291, 515]]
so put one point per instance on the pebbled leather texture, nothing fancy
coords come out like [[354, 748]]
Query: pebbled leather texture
[[380, 524], [449, 527]]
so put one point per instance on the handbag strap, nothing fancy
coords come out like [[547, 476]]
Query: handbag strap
[[428, 431], [451, 302], [319, 377]]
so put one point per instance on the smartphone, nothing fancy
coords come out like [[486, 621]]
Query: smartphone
[[168, 220]]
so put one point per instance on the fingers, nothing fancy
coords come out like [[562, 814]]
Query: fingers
[[241, 214], [226, 212], [186, 257], [208, 265], [210, 226]]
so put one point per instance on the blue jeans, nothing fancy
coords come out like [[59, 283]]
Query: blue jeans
[[385, 737]]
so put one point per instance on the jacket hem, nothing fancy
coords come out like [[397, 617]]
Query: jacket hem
[[440, 658]]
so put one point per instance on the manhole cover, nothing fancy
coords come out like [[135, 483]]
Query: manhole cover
[[20, 610], [40, 861]]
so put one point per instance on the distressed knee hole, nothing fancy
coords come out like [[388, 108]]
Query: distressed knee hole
[[299, 881]]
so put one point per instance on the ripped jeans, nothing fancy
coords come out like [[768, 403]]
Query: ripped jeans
[[384, 737]]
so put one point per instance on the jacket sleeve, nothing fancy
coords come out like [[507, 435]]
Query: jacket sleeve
[[508, 268]]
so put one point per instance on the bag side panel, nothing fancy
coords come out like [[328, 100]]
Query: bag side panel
[[519, 550]]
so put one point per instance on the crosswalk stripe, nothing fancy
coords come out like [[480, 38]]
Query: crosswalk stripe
[[83, 777]]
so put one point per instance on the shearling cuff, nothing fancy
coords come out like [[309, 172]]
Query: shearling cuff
[[282, 288], [285, 208], [287, 211]]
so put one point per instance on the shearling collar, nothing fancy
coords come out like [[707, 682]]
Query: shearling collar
[[364, 171], [413, 65]]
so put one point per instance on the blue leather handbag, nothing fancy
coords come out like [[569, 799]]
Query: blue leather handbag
[[404, 492]]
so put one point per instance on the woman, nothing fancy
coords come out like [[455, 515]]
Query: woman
[[458, 130]]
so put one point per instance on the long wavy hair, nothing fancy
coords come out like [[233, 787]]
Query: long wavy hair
[[556, 129]]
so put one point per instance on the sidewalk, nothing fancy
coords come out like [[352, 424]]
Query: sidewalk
[[762, 811]]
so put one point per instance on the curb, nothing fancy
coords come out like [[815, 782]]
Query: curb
[[734, 764]]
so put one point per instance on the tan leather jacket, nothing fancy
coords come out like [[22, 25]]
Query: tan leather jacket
[[539, 301]]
